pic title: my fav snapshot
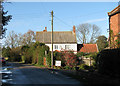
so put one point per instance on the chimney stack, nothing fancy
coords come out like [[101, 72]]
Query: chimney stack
[[45, 29], [74, 29]]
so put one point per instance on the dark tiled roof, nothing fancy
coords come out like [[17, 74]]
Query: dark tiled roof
[[89, 48], [58, 37]]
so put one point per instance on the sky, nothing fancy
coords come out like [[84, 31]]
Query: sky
[[36, 15]]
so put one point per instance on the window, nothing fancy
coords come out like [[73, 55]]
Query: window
[[55, 46], [67, 47], [60, 47]]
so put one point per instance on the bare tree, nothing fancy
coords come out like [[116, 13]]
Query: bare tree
[[11, 39], [28, 37], [87, 33], [82, 32], [16, 40], [95, 32], [19, 39]]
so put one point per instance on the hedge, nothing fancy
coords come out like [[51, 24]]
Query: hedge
[[108, 62]]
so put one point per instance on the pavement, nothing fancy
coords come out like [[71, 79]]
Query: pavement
[[25, 74]]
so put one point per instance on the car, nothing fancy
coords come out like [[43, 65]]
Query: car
[[2, 59]]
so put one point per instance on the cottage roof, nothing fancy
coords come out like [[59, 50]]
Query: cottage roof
[[89, 48], [58, 37], [114, 11]]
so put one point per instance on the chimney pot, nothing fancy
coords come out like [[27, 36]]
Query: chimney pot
[[45, 29], [74, 29]]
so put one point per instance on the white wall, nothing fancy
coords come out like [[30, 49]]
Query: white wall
[[61, 47]]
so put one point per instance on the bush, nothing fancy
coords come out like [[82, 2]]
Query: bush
[[41, 55], [6, 52], [15, 54], [94, 56], [23, 59], [81, 67], [67, 67], [108, 62], [69, 59], [29, 55], [35, 53], [79, 54], [58, 56], [48, 59]]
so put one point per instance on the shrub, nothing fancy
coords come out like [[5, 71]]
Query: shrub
[[69, 58], [48, 59], [41, 55], [108, 62], [58, 56], [29, 55], [94, 56], [15, 54], [23, 59], [67, 67], [6, 52], [81, 67], [35, 53], [35, 57], [79, 54], [38, 55]]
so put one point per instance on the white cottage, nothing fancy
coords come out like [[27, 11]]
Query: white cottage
[[62, 40]]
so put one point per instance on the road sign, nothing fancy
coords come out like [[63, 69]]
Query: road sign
[[57, 63]]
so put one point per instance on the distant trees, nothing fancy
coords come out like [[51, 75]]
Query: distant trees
[[29, 37], [87, 33], [16, 40], [11, 39], [6, 52], [33, 54], [102, 42]]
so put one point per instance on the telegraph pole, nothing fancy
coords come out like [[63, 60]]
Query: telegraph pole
[[52, 39]]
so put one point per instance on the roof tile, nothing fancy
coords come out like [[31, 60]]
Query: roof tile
[[58, 37], [89, 48]]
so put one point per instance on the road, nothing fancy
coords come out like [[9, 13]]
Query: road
[[28, 74]]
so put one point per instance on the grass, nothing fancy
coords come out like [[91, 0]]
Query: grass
[[41, 66]]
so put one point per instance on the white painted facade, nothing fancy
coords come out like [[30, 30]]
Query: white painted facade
[[62, 47]]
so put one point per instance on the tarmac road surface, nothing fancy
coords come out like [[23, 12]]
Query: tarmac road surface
[[28, 74]]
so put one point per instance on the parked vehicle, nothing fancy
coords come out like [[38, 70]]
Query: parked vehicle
[[2, 60]]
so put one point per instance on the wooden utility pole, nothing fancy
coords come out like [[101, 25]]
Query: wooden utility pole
[[52, 40]]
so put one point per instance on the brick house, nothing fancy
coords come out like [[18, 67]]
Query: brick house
[[62, 40], [114, 26]]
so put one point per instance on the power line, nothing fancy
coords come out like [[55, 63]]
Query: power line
[[62, 21]]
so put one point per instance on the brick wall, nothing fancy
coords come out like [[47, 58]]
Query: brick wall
[[114, 23], [119, 22], [115, 26]]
